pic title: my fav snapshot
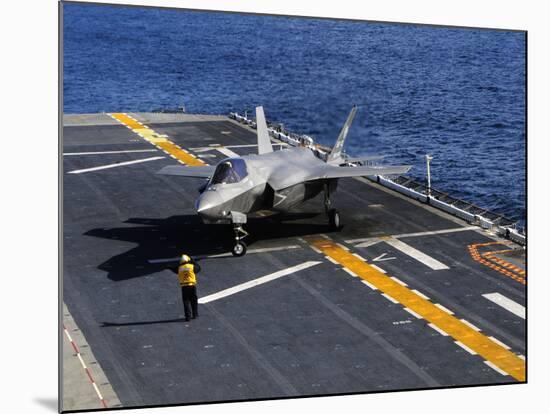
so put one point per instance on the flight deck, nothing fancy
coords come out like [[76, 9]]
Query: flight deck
[[404, 296]]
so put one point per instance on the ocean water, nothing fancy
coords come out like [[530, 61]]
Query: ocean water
[[457, 94]]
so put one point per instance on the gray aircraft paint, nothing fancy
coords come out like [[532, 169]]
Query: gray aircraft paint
[[276, 180]]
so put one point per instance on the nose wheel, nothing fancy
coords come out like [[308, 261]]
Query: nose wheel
[[240, 247]]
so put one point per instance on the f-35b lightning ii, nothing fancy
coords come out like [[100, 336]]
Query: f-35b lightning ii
[[273, 180]]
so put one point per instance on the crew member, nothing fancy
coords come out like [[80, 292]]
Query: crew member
[[187, 272]]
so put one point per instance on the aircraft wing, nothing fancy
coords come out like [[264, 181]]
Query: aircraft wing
[[363, 159], [326, 171], [185, 171], [330, 171]]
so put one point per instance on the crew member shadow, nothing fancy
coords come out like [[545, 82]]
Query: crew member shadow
[[159, 242]]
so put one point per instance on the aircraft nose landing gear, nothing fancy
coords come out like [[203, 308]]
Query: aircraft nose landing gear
[[240, 247], [238, 219]]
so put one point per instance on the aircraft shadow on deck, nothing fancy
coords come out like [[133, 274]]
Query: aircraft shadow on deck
[[170, 237]]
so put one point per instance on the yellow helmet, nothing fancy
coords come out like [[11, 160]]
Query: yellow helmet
[[185, 259]]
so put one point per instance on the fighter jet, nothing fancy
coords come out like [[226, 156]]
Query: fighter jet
[[273, 180]]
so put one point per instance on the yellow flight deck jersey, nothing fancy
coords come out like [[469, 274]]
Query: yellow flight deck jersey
[[186, 274]]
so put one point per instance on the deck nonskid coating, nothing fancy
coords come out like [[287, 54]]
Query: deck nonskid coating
[[319, 331]]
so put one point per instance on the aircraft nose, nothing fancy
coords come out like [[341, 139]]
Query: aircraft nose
[[208, 204]]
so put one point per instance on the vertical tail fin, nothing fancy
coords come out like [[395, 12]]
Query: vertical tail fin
[[336, 152], [264, 142]]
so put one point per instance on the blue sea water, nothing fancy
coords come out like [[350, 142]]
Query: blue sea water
[[458, 94]]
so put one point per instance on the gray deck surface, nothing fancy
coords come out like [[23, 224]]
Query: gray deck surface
[[319, 331]]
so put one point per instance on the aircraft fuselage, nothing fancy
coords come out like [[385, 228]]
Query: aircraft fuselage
[[252, 192]]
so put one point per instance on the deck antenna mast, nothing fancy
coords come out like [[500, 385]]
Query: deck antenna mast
[[428, 159]]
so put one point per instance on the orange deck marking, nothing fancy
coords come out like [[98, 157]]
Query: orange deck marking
[[502, 266]]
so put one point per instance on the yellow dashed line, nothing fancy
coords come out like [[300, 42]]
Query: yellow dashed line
[[454, 327], [159, 141], [126, 120]]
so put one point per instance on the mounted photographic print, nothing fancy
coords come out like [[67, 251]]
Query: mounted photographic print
[[259, 207]]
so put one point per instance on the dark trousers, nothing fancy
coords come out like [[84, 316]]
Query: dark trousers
[[190, 303]]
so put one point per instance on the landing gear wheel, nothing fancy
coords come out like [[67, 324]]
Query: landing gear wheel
[[239, 249], [334, 219]]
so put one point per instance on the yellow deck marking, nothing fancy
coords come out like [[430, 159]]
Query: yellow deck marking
[[454, 327], [126, 120], [158, 140]]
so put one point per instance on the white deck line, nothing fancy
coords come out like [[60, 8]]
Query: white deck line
[[435, 232], [359, 257], [108, 152], [435, 328], [497, 369], [97, 391], [260, 250], [416, 254], [418, 234], [345, 269], [369, 285], [413, 313], [506, 303], [471, 325], [330, 259], [227, 152], [423, 296], [378, 268], [398, 281], [315, 249], [242, 146], [256, 282], [389, 298], [342, 246], [444, 309], [251, 251], [214, 146], [366, 242], [200, 149], [496, 341], [119, 164], [460, 344]]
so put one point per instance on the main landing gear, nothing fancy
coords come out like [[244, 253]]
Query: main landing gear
[[332, 213]]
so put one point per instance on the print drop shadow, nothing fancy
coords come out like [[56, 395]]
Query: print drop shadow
[[170, 237]]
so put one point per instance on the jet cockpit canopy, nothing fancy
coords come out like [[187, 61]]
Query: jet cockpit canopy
[[229, 171]]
